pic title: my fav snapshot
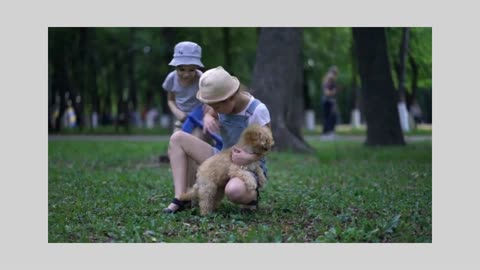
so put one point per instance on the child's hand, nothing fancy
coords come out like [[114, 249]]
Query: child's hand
[[241, 157], [210, 124], [183, 117]]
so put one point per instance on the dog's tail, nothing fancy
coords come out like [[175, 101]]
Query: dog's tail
[[190, 195]]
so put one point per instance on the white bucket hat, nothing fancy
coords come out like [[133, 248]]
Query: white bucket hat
[[216, 85], [187, 53]]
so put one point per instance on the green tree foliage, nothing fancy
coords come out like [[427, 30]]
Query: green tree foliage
[[420, 48], [107, 49]]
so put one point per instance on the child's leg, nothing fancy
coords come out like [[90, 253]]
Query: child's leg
[[198, 132], [175, 129], [183, 146], [237, 192], [192, 167], [234, 171]]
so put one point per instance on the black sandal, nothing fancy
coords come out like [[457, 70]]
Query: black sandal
[[251, 206], [181, 206]]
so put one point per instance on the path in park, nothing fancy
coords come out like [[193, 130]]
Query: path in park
[[153, 138]]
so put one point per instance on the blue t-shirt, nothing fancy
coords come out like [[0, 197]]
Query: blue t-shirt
[[185, 97]]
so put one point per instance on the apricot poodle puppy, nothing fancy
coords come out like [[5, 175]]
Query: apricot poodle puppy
[[214, 173]]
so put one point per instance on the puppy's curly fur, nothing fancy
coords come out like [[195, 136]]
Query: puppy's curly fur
[[214, 173]]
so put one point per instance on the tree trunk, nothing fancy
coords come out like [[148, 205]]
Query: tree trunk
[[403, 52], [401, 81], [60, 80], [413, 96], [226, 45], [307, 103], [357, 97], [92, 63], [168, 35], [77, 99], [132, 83], [122, 95], [277, 82], [379, 97], [132, 101]]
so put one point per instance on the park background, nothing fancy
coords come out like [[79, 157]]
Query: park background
[[112, 77]]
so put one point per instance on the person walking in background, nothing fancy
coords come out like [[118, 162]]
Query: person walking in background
[[416, 112], [329, 85], [70, 117]]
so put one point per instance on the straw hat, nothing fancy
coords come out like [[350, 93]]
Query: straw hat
[[216, 85], [187, 53]]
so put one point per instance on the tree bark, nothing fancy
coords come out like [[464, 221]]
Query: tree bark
[[168, 35], [60, 79], [226, 46], [403, 52], [277, 82], [92, 63], [413, 96], [80, 82], [122, 96], [356, 104], [379, 97], [132, 83]]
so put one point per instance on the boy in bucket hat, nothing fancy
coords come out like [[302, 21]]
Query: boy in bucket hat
[[230, 109], [182, 83]]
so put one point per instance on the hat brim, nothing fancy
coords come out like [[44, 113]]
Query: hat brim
[[185, 60], [229, 94]]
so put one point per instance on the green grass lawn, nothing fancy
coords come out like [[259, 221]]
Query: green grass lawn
[[343, 129], [115, 191]]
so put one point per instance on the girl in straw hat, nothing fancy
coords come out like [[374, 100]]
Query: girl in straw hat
[[230, 110]]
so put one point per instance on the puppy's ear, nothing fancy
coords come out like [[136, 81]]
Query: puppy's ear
[[266, 140], [251, 137]]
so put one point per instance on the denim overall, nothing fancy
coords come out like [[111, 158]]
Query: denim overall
[[231, 127]]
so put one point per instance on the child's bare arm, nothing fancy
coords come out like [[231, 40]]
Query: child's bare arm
[[210, 120], [242, 157], [173, 107]]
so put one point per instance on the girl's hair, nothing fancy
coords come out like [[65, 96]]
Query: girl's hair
[[243, 88]]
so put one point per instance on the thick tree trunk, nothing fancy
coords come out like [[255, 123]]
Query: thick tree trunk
[[277, 82], [379, 97]]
